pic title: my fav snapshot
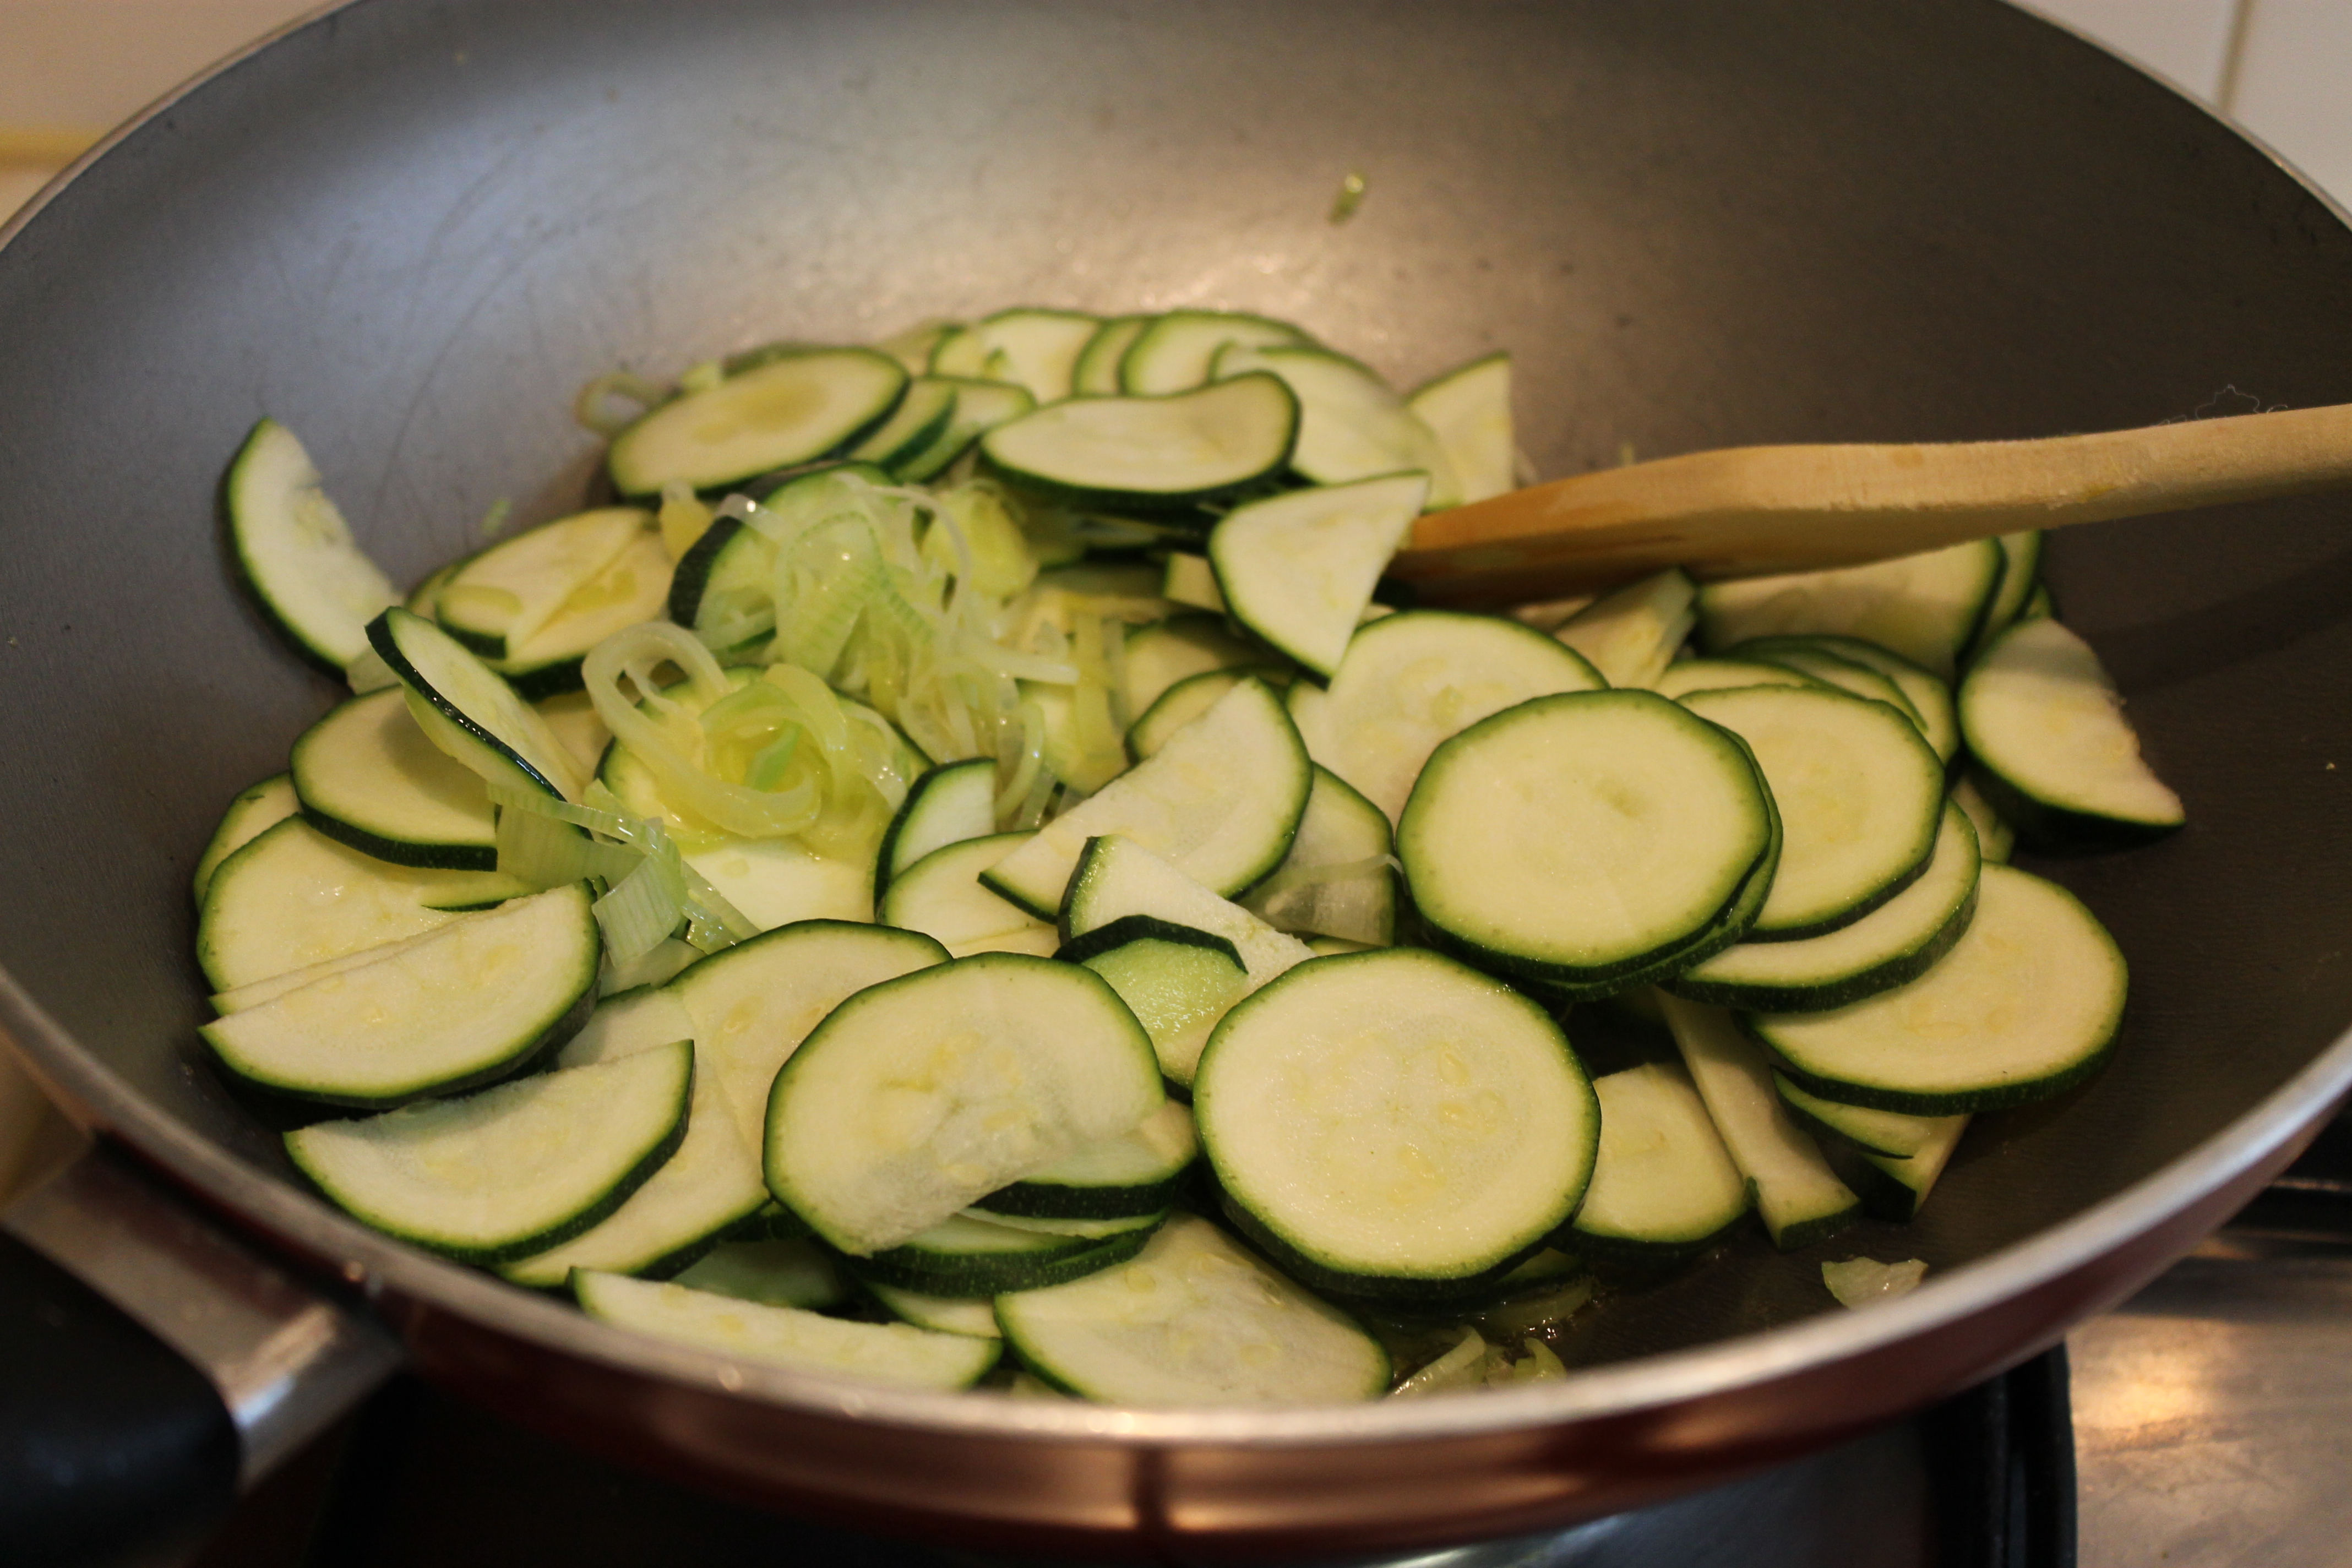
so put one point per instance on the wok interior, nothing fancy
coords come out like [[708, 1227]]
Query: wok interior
[[412, 229]]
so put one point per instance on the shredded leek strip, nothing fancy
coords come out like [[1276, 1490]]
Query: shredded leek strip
[[1027, 767], [1033, 805], [767, 769], [664, 748], [640, 912], [998, 659], [592, 408], [1115, 671]]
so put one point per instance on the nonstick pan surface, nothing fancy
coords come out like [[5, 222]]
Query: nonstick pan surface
[[412, 227]]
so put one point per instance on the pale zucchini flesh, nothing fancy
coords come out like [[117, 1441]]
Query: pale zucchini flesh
[[1298, 569], [786, 1271], [1134, 1173], [941, 896], [1631, 634], [1926, 607], [368, 775], [1035, 348], [499, 599], [257, 809], [1177, 981], [791, 409], [1200, 446], [296, 550], [1663, 1181], [1350, 424], [1159, 656], [1175, 351], [1117, 878], [1679, 679], [1468, 409], [952, 803], [468, 710], [511, 1171], [1339, 878]]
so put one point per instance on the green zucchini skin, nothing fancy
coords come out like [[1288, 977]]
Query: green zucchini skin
[[425, 857], [2050, 830], [1135, 928], [693, 573], [909, 1269]]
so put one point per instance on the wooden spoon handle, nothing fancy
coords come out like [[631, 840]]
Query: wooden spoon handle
[[1750, 510]]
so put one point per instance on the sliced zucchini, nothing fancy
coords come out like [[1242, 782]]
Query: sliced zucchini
[[1631, 634], [631, 589], [892, 1353], [1892, 945], [468, 710], [912, 348], [973, 1315], [255, 810], [498, 600], [1798, 1196], [704, 1191], [963, 1256], [1187, 447], [752, 1005], [1117, 877], [1185, 702], [1849, 675], [1298, 570], [952, 803], [1887, 1132], [724, 585], [1076, 1229], [513, 1170], [793, 408], [918, 1095], [941, 896], [1133, 1174], [1162, 652], [979, 406], [781, 881], [1177, 981], [1190, 579], [1096, 373], [1929, 697], [1175, 352], [296, 551], [366, 774], [1662, 1183], [1392, 1119], [1339, 878], [1679, 680], [2054, 752], [786, 1271], [468, 1004], [1035, 348], [1468, 409], [1588, 840], [1995, 837], [1180, 802], [1894, 1189], [293, 897], [259, 991], [1412, 680], [2021, 555], [1350, 424], [627, 1022], [1860, 794], [2025, 1006], [913, 426], [1926, 607], [573, 720], [1192, 1318]]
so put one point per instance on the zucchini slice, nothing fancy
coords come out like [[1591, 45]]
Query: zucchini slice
[[787, 1271], [1350, 424], [257, 809], [500, 598], [1929, 697], [1339, 878], [513, 1170], [1885, 1132], [1185, 702], [468, 710], [2054, 752], [296, 551], [1468, 409], [973, 1315], [942, 897], [1186, 447], [979, 406], [1798, 1196], [1192, 1318], [1860, 794], [1177, 982], [1117, 877], [1133, 1174], [1894, 1189], [793, 408], [912, 348], [1096, 373], [2027, 1005], [2021, 571], [918, 1095], [1161, 653], [1190, 579], [470, 1004], [1892, 945], [777, 883], [1663, 1184], [752, 1005], [1995, 837], [914, 428], [1298, 570], [293, 897], [1587, 841], [366, 774], [893, 1353], [1175, 352], [1412, 680], [1679, 680], [964, 1256], [1849, 676], [1926, 607], [1035, 348], [704, 1191], [1180, 802], [633, 588], [952, 803], [1394, 1119], [1633, 633]]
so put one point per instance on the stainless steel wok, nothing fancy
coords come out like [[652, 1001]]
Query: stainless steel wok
[[412, 227]]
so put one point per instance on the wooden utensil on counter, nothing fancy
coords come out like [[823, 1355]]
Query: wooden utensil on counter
[[1748, 512]]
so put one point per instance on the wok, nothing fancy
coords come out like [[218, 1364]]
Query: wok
[[412, 227]]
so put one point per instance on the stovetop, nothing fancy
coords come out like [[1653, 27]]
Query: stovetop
[[2207, 1422]]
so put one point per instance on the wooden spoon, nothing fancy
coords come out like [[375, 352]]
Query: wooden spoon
[[1748, 512]]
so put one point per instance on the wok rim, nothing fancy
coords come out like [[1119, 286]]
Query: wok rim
[[377, 1267]]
